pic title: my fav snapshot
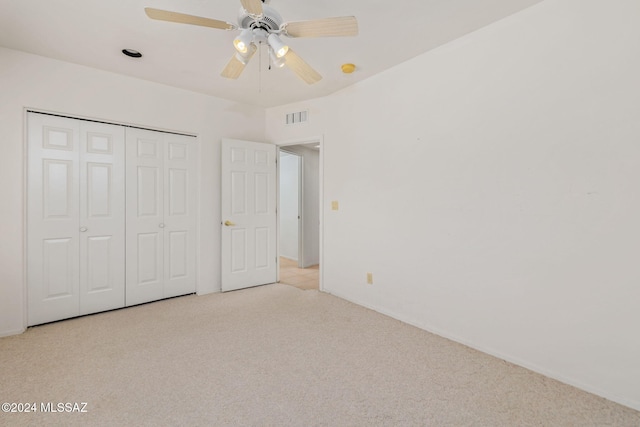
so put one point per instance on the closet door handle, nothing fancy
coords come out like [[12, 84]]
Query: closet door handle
[[161, 225], [83, 229]]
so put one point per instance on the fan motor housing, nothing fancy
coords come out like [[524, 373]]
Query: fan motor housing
[[270, 20]]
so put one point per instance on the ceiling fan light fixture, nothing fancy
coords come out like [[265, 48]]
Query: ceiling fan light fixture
[[241, 58], [275, 61], [242, 42], [259, 23], [277, 45], [245, 56]]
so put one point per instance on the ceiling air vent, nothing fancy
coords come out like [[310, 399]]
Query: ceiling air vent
[[297, 118]]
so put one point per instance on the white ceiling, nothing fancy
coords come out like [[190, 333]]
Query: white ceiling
[[93, 33]]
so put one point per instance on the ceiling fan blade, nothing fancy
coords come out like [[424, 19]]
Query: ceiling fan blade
[[235, 67], [301, 68], [181, 18], [342, 26], [254, 7]]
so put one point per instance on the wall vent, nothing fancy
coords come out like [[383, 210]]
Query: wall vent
[[297, 118]]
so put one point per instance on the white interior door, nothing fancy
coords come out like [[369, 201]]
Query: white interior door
[[161, 215], [52, 219], [102, 217], [248, 208]]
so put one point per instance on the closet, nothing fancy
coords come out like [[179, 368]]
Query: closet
[[111, 214]]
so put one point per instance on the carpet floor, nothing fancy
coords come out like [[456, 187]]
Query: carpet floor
[[274, 356]]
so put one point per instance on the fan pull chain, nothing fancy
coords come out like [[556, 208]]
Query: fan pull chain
[[260, 68]]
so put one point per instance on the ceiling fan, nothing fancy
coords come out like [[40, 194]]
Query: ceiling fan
[[259, 23]]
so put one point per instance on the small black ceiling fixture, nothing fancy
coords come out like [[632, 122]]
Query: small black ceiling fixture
[[132, 53]]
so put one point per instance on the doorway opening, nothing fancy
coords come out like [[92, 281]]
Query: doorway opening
[[299, 215]]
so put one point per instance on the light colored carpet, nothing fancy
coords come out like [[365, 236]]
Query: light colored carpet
[[275, 355]]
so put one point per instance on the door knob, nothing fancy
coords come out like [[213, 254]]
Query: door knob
[[83, 229], [229, 223], [161, 225]]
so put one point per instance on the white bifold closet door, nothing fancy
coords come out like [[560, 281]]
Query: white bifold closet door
[[111, 217], [161, 216], [75, 217]]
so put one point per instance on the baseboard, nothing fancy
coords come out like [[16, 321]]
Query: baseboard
[[213, 291], [10, 333], [515, 360]]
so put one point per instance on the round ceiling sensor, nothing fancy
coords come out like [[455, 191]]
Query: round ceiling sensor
[[132, 53], [348, 68]]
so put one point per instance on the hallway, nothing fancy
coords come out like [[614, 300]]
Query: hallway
[[302, 278]]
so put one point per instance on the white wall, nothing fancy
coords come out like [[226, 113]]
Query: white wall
[[310, 203], [491, 186], [289, 167], [46, 84]]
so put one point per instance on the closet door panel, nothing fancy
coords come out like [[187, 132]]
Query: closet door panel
[[180, 215], [145, 216], [52, 218], [102, 217]]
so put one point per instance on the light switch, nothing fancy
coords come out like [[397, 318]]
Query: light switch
[[334, 205]]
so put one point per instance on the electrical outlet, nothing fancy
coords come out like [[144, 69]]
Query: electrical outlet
[[334, 205], [370, 278]]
